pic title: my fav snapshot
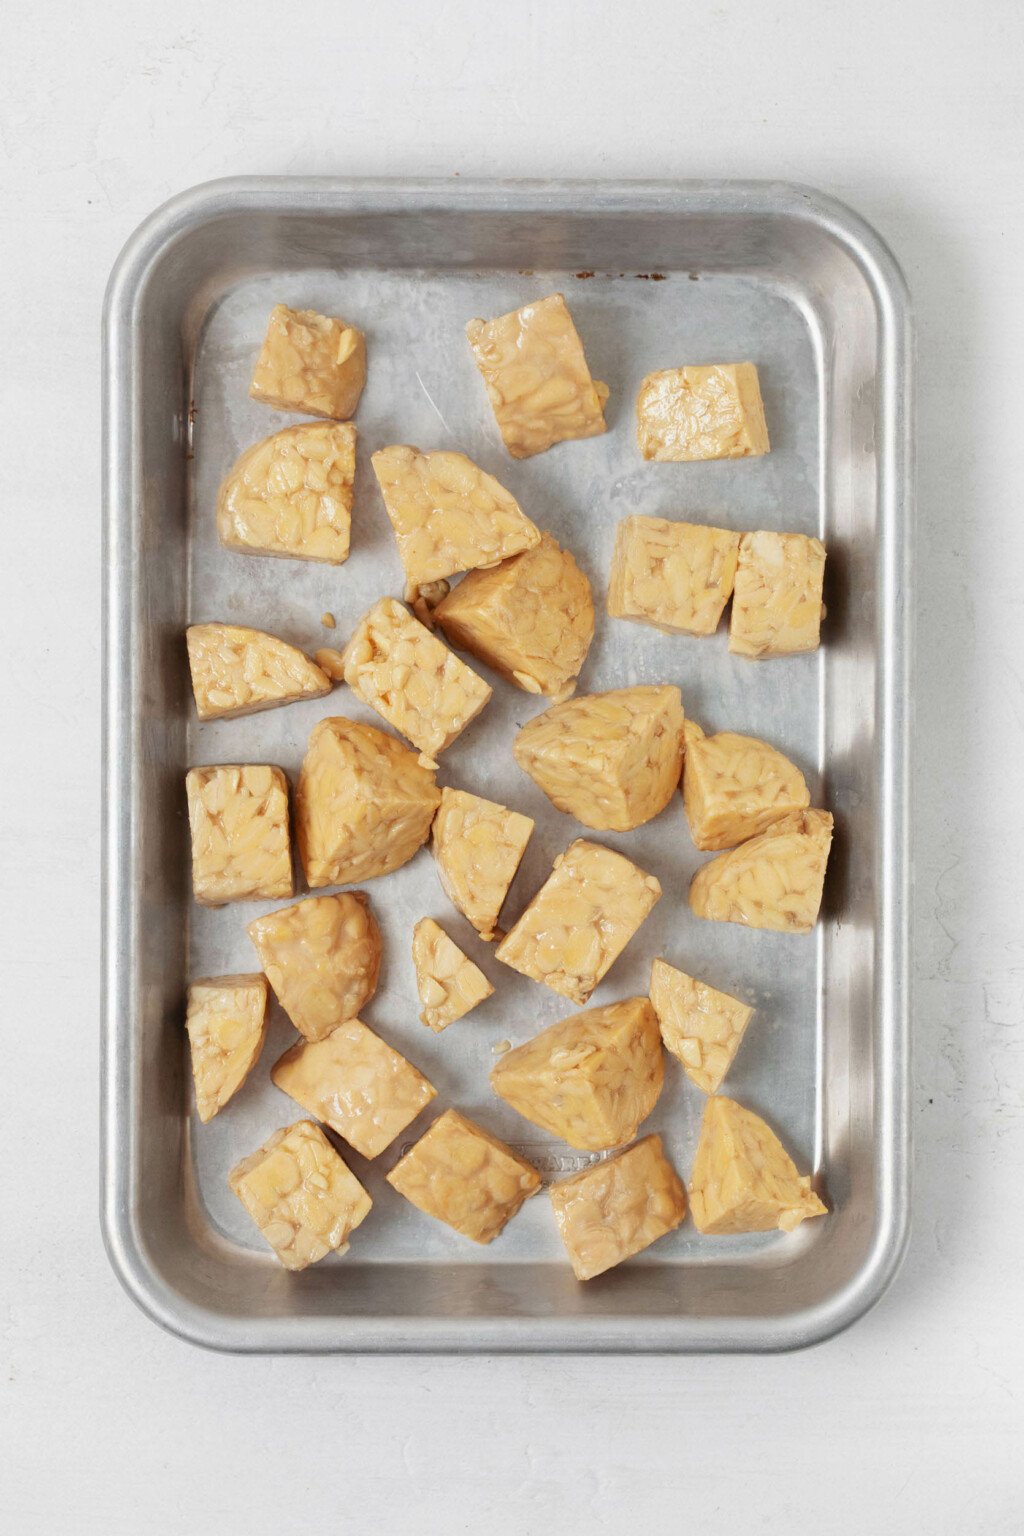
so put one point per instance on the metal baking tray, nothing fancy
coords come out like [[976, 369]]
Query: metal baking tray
[[656, 274]]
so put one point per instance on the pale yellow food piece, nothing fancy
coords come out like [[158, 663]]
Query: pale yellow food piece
[[238, 818], [448, 514], [734, 787], [413, 681], [448, 982], [322, 958], [363, 804], [776, 607], [590, 1079], [478, 845], [580, 920], [612, 759], [462, 1175], [331, 662], [310, 363], [531, 619], [772, 881], [424, 598], [743, 1178], [701, 413], [239, 671], [677, 577], [226, 1019], [303, 1197], [356, 1085], [291, 495], [618, 1207], [701, 1027], [537, 378]]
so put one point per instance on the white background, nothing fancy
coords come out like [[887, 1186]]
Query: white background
[[912, 1421]]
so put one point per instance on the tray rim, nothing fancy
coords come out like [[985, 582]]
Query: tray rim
[[168, 223]]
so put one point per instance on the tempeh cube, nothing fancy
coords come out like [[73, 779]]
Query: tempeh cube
[[701, 1027], [291, 495], [462, 1175], [590, 1079], [580, 920], [363, 804], [448, 514], [303, 1197], [777, 608], [677, 577], [226, 1019], [238, 817], [612, 760], [743, 1178], [618, 1207], [772, 881], [311, 363], [397, 667], [322, 958], [448, 982], [537, 378], [701, 413], [240, 671], [530, 618], [734, 787], [478, 845], [357, 1085]]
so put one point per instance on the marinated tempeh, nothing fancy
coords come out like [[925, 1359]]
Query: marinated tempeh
[[448, 514], [448, 982], [322, 958], [462, 1175], [238, 818], [478, 845], [677, 577], [226, 1019], [590, 1079], [777, 608], [531, 618], [240, 671], [743, 1178], [291, 495], [703, 1028], [773, 881], [580, 920], [734, 787], [357, 1085], [617, 1208], [303, 1197], [363, 804], [536, 375], [311, 363], [612, 759], [413, 681], [701, 413]]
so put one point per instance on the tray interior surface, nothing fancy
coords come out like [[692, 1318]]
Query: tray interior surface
[[645, 293]]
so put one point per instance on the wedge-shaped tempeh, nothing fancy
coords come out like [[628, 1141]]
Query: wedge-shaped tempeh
[[303, 1197], [614, 1210], [322, 958], [478, 845], [701, 1027], [240, 671], [448, 982], [743, 1178], [226, 1020], [462, 1175], [773, 881], [291, 495], [734, 787]]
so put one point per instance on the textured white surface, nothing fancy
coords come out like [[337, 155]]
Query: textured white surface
[[914, 1419]]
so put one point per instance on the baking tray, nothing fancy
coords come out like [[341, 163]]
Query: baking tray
[[656, 274]]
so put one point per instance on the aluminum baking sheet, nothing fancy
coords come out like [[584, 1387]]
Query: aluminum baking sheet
[[655, 276]]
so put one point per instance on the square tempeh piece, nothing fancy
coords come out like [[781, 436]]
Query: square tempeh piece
[[618, 1207], [580, 920], [303, 1197], [537, 378], [238, 816], [356, 1084], [478, 845], [777, 608], [676, 577], [310, 363], [413, 681], [462, 1175], [701, 413]]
